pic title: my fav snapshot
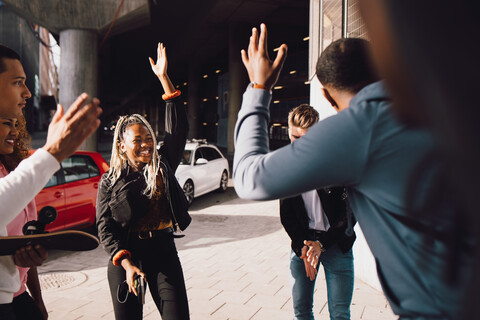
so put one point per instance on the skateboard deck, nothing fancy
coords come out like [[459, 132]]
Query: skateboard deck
[[71, 240]]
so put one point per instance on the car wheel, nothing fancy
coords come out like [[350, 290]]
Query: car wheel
[[188, 189], [223, 182]]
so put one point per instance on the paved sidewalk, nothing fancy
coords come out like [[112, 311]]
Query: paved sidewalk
[[235, 260]]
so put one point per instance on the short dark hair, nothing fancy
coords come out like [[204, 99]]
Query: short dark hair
[[304, 116], [346, 64], [6, 52]]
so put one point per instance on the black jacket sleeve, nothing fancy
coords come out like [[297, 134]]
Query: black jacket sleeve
[[335, 207], [112, 236], [176, 130], [295, 225]]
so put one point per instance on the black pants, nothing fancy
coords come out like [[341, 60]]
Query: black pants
[[165, 280], [22, 308]]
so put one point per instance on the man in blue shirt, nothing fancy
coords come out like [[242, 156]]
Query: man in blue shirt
[[367, 150]]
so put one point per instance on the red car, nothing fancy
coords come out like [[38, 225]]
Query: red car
[[72, 191]]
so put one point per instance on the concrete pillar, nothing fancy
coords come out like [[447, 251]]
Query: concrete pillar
[[78, 70], [193, 100], [238, 77]]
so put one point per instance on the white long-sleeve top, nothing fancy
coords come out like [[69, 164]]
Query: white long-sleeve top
[[16, 191]]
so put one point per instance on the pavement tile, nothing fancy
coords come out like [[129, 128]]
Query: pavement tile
[[267, 301], [264, 289], [235, 259], [372, 313], [235, 297], [235, 311]]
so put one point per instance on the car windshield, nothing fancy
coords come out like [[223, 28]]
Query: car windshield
[[187, 157]]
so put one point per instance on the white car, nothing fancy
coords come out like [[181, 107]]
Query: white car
[[203, 169]]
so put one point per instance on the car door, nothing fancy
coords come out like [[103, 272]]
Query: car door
[[53, 194], [81, 185], [200, 172], [214, 167]]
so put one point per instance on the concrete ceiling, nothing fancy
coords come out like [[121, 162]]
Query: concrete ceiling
[[201, 27], [196, 33], [57, 15], [193, 31]]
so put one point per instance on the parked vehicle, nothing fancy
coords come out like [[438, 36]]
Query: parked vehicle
[[203, 169], [72, 191]]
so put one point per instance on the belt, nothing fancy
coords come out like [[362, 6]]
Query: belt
[[143, 235], [317, 235]]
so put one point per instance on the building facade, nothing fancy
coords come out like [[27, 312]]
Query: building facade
[[331, 20]]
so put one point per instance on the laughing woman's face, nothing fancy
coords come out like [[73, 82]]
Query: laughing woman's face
[[137, 145], [8, 135]]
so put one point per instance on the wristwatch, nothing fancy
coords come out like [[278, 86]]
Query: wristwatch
[[259, 86], [322, 248]]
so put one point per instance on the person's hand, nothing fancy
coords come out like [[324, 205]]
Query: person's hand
[[28, 257], [132, 272], [309, 269], [261, 70], [160, 68], [313, 253], [69, 130]]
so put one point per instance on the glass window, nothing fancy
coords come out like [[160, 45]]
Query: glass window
[[199, 154], [93, 170], [210, 154], [187, 157], [79, 167], [53, 181]]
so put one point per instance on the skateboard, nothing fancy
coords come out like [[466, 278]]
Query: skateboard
[[71, 240]]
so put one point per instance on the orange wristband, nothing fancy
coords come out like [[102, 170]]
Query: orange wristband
[[117, 258], [258, 86], [168, 96]]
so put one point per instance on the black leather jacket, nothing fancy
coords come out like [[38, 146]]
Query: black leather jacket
[[294, 218], [113, 231]]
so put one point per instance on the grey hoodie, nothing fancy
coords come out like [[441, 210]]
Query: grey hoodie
[[365, 149]]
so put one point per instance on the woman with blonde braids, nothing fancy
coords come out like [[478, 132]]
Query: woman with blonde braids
[[139, 206]]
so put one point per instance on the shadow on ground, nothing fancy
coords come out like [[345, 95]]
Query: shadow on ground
[[223, 225]]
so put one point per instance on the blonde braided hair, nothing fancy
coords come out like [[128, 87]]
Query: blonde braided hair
[[118, 159]]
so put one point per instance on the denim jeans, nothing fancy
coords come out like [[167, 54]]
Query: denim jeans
[[338, 268]]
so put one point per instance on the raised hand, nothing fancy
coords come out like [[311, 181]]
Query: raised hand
[[69, 130], [261, 70], [160, 68]]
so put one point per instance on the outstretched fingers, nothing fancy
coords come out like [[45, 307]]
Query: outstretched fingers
[[281, 56], [262, 41], [244, 57], [86, 113], [76, 106], [254, 39], [58, 114]]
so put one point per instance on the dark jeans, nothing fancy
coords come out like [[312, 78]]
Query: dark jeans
[[6, 311], [22, 308], [25, 308], [159, 260]]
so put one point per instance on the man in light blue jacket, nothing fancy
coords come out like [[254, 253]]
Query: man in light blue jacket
[[367, 150]]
